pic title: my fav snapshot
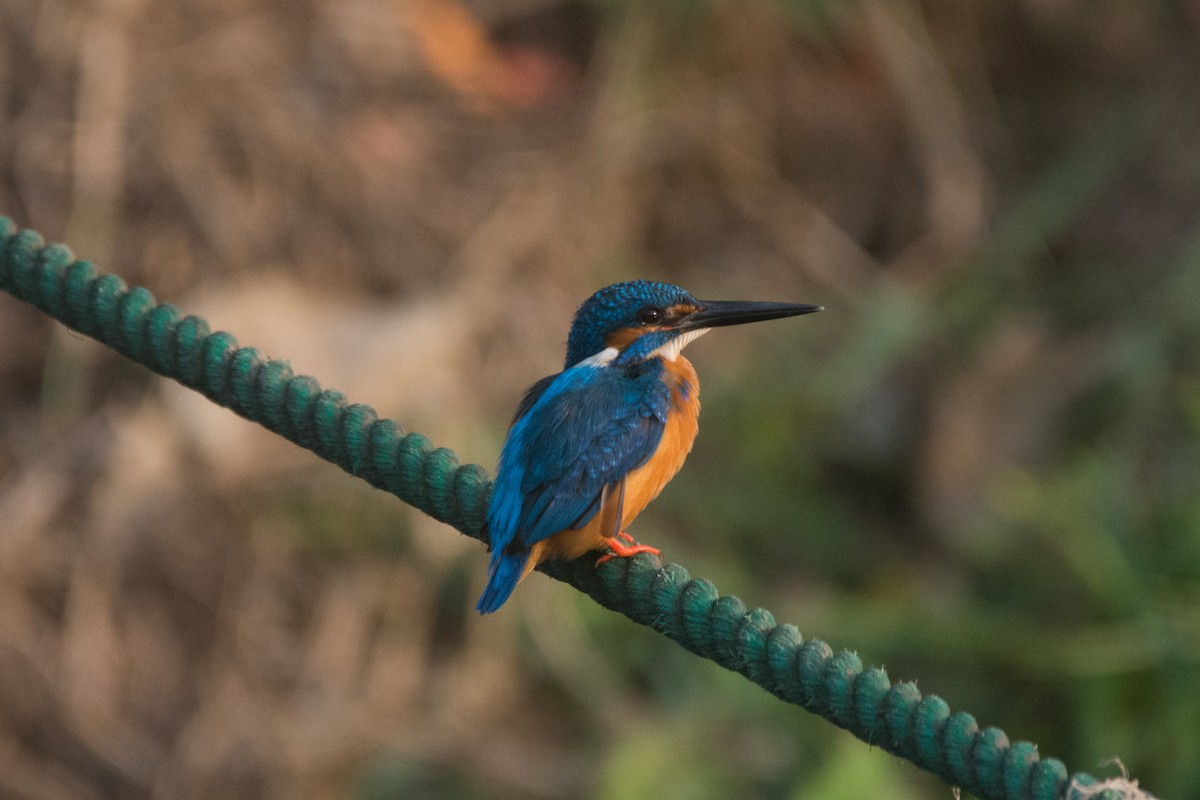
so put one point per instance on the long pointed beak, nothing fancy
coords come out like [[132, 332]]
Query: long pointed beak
[[715, 313]]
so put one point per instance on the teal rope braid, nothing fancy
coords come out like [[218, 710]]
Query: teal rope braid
[[895, 717]]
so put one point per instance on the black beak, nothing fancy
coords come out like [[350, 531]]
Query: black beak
[[715, 313]]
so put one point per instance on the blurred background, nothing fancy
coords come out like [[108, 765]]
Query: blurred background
[[979, 468]]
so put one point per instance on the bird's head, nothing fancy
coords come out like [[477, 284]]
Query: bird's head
[[632, 321]]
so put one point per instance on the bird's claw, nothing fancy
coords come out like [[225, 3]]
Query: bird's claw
[[622, 550]]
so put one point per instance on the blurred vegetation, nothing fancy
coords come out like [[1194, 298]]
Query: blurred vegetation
[[979, 468]]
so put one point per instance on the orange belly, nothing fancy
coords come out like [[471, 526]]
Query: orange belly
[[642, 484]]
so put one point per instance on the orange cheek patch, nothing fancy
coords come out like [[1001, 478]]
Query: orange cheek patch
[[624, 337]]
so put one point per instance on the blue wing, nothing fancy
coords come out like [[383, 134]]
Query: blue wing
[[581, 431], [531, 396]]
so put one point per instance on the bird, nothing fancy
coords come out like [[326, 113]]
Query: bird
[[591, 446]]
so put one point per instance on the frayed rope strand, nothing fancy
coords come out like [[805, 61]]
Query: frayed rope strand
[[893, 716]]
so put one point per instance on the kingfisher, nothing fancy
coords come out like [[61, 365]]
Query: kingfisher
[[591, 446]]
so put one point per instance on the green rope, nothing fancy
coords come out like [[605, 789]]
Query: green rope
[[895, 717]]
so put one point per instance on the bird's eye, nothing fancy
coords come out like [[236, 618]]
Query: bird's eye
[[650, 315]]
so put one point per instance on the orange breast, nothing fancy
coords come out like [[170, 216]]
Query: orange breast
[[644, 483]]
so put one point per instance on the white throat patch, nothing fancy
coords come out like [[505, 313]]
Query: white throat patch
[[670, 350], [601, 359]]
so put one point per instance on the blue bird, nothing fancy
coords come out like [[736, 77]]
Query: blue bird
[[591, 446]]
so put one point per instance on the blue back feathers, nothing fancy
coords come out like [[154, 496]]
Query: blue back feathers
[[586, 429], [589, 428], [616, 307]]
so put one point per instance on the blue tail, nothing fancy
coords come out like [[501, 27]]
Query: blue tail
[[504, 572]]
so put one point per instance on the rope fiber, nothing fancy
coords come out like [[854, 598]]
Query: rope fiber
[[895, 717]]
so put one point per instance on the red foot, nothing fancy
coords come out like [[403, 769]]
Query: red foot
[[626, 550]]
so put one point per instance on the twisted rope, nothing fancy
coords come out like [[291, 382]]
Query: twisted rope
[[892, 716]]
